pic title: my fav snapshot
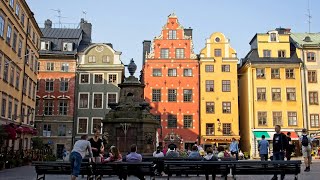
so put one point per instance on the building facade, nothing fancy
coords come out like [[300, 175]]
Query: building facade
[[308, 50], [19, 45], [56, 83], [171, 77], [99, 72], [269, 90], [219, 115]]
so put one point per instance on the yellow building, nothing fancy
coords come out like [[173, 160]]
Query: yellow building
[[19, 42], [269, 90], [218, 91], [308, 50]]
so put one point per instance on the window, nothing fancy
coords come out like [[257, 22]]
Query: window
[[156, 72], [50, 66], [62, 130], [84, 78], [157, 118], [172, 72], [187, 72], [98, 79], [38, 66], [209, 68], [4, 105], [262, 118], [63, 107], [172, 34], [67, 46], [226, 128], [31, 62], [6, 70], [112, 78], [11, 3], [48, 107], [226, 86], [10, 108], [1, 26], [46, 130], [225, 68], [260, 73], [172, 121], [9, 31], [25, 80], [22, 18], [292, 118], [314, 120], [38, 84], [290, 73], [313, 98], [187, 121], [156, 95], [112, 98], [187, 95], [276, 94], [312, 76], [15, 111], [64, 85], [277, 118], [311, 56], [96, 124], [84, 100], [45, 45], [261, 94], [14, 41], [30, 88], [19, 48], [209, 85], [105, 59], [164, 54], [17, 79], [91, 59], [65, 67], [18, 9], [97, 100], [273, 37], [281, 54], [179, 53], [209, 129], [209, 107], [12, 72], [266, 53], [226, 107], [217, 53], [49, 85], [275, 73], [291, 94], [172, 95], [82, 125]]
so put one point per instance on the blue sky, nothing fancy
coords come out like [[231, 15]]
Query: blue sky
[[126, 23]]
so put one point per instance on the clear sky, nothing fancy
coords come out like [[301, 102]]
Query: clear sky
[[126, 23]]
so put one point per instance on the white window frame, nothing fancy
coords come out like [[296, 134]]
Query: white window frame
[[51, 68], [63, 65], [92, 123], [116, 80], [94, 78], [67, 46], [93, 100], [87, 98], [45, 45], [78, 125], [107, 102], [88, 78], [92, 59]]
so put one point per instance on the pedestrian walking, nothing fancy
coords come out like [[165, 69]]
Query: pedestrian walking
[[263, 148], [305, 141], [280, 144], [234, 148]]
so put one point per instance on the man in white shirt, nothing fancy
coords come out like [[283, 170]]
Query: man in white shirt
[[77, 154], [306, 149]]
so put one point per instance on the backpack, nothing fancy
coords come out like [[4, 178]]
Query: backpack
[[305, 140]]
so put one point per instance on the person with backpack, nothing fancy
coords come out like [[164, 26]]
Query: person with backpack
[[280, 144], [306, 149]]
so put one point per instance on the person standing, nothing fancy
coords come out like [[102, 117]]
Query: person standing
[[306, 149], [290, 146], [96, 145], [280, 144], [78, 153], [263, 148], [234, 148]]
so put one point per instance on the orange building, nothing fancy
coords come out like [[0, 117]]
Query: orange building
[[171, 77]]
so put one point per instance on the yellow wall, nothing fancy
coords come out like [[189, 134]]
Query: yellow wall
[[282, 43], [228, 58]]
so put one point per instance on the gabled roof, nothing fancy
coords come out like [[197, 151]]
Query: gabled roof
[[300, 41]]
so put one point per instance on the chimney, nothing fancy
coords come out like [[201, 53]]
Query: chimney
[[48, 23], [188, 32], [87, 29], [283, 30], [146, 50]]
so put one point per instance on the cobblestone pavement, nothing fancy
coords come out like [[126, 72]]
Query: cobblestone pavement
[[28, 173]]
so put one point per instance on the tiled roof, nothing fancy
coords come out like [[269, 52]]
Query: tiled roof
[[299, 39]]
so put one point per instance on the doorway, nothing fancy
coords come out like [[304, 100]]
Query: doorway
[[60, 148]]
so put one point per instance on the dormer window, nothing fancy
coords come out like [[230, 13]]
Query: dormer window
[[92, 59], [105, 59], [172, 34], [273, 37], [67, 46], [45, 45]]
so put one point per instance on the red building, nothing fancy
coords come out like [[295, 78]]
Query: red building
[[171, 77]]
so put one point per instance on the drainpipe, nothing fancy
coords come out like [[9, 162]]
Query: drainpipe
[[199, 104]]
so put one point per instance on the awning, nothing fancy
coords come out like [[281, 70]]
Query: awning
[[258, 134], [294, 135]]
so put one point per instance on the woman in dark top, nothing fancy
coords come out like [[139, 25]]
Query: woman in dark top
[[96, 145]]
